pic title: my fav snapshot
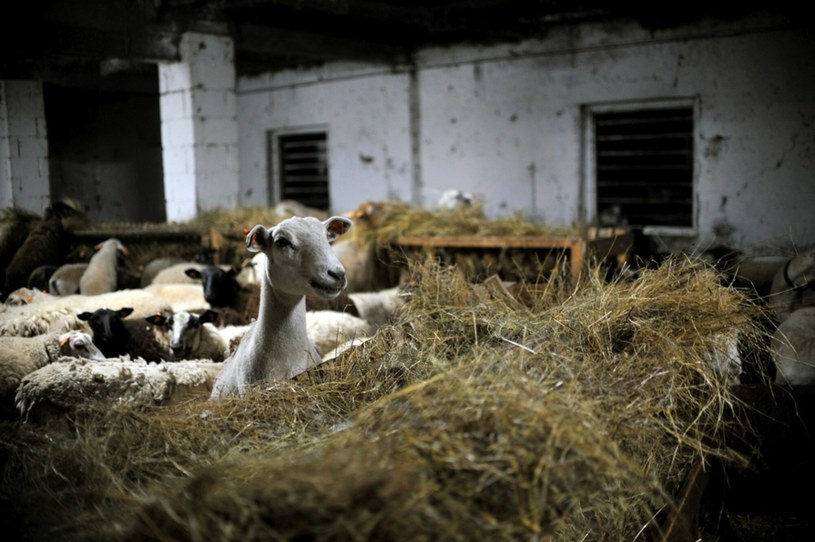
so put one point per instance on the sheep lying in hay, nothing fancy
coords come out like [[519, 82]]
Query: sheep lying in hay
[[117, 335], [47, 313], [472, 416], [20, 356], [192, 336], [46, 395]]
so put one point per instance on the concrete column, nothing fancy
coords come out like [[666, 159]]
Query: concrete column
[[199, 127], [23, 147]]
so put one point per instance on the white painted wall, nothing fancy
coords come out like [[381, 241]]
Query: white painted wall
[[365, 113], [507, 122]]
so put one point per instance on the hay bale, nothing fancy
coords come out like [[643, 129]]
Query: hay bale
[[573, 414]]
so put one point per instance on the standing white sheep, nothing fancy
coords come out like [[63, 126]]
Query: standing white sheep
[[100, 277], [300, 262]]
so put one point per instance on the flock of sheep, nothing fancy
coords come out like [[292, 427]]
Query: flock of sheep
[[304, 294], [220, 326]]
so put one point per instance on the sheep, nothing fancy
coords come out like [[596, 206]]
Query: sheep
[[155, 266], [237, 304], [15, 225], [65, 280], [455, 199], [116, 336], [193, 336], [39, 277], [793, 349], [328, 329], [45, 245], [299, 262], [177, 274], [26, 296], [20, 356], [793, 286], [181, 297], [46, 395], [60, 313], [100, 276], [377, 307], [289, 207], [79, 344]]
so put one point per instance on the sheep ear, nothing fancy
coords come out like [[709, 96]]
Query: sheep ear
[[157, 319], [84, 315], [193, 273], [124, 311], [256, 238], [336, 226], [208, 316]]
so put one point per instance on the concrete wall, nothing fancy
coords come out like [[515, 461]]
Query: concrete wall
[[365, 113], [24, 176], [508, 122]]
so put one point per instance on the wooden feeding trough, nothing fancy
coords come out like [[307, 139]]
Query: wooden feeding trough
[[595, 245]]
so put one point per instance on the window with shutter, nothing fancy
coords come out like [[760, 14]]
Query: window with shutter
[[643, 167], [302, 168]]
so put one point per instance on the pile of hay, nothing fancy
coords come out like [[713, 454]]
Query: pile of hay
[[392, 220], [573, 415]]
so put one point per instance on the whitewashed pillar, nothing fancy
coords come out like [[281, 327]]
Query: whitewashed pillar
[[199, 127], [24, 179]]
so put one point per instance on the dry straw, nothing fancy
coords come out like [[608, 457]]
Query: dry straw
[[573, 415]]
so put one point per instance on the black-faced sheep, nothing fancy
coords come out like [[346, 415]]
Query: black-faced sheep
[[193, 336], [117, 336], [47, 313], [101, 277], [237, 304]]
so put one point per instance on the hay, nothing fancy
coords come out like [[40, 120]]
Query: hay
[[394, 219], [571, 416]]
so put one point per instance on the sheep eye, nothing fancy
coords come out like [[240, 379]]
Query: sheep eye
[[282, 242]]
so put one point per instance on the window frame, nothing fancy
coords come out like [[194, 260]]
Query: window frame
[[274, 180], [589, 197]]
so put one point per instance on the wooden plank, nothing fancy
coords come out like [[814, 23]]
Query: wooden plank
[[135, 234], [487, 241], [580, 249]]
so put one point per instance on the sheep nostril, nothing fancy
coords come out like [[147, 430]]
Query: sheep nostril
[[337, 274]]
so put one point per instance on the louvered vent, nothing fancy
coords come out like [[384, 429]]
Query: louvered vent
[[303, 161], [645, 167]]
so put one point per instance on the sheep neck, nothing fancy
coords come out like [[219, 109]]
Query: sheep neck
[[281, 335]]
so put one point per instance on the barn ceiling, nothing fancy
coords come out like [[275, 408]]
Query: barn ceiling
[[79, 41]]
